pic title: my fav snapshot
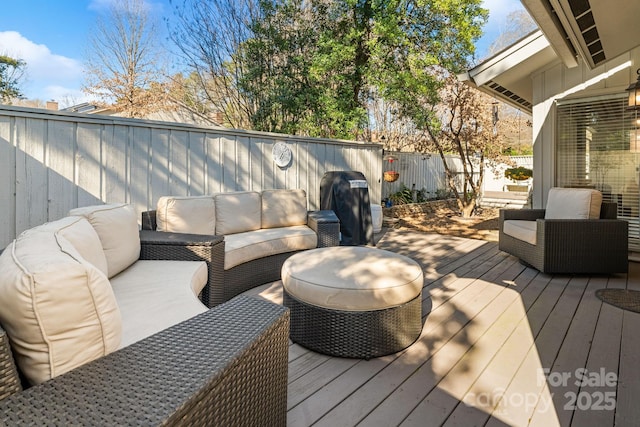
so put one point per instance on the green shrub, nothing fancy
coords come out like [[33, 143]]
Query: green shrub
[[518, 174]]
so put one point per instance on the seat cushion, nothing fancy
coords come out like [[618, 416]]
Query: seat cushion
[[237, 212], [573, 203], [117, 228], [194, 215], [58, 309], [82, 236], [352, 278], [283, 208], [243, 247], [153, 295], [521, 230]]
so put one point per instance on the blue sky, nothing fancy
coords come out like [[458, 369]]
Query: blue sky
[[51, 37]]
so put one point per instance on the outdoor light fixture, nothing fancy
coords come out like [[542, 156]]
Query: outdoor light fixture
[[634, 93]]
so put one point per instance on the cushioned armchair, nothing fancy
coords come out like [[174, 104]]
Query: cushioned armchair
[[577, 233]]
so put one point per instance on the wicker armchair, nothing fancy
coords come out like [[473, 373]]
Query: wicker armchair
[[570, 245], [227, 366]]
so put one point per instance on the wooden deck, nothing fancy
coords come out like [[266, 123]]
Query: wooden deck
[[491, 329]]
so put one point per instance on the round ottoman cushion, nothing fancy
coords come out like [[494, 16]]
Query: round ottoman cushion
[[352, 278]]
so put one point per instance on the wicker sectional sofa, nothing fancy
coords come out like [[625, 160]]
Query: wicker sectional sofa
[[102, 324], [261, 230]]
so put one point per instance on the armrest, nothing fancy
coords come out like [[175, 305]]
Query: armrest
[[584, 244], [227, 366], [158, 245], [326, 225], [9, 379], [149, 220], [521, 214]]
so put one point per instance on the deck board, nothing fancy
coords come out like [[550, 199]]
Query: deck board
[[490, 326]]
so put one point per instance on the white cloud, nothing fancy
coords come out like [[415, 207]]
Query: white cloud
[[44, 68]]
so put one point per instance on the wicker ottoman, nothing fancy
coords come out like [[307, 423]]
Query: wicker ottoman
[[353, 301]]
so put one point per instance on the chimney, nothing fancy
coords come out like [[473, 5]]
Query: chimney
[[52, 105]]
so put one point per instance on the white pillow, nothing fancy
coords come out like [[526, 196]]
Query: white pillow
[[237, 212], [117, 227], [82, 236], [59, 310], [196, 215], [573, 203], [283, 208]]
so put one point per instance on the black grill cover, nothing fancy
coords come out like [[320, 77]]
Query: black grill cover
[[347, 194]]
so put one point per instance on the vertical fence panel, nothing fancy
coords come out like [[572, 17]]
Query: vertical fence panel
[[196, 177], [214, 164], [116, 162], [242, 169], [61, 171], [31, 174], [139, 184], [89, 164], [8, 187]]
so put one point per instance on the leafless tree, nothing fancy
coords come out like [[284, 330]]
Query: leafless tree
[[209, 35], [124, 63], [518, 24]]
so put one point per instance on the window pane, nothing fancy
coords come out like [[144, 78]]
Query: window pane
[[598, 147]]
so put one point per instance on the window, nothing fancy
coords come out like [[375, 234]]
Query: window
[[598, 147]]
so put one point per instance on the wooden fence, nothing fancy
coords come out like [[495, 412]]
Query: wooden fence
[[51, 162], [426, 172]]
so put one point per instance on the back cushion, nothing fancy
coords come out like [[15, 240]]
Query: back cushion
[[237, 212], [58, 309], [117, 228], [573, 203], [82, 236], [196, 215], [283, 208]]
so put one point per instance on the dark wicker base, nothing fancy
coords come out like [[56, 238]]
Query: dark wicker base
[[355, 334], [251, 274]]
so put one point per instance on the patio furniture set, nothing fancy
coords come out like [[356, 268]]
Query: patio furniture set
[[106, 324], [103, 323]]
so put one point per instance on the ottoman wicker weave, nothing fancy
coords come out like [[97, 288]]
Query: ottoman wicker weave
[[353, 301]]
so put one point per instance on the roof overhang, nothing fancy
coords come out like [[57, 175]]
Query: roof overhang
[[595, 30], [507, 75]]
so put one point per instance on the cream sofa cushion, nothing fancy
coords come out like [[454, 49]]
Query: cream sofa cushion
[[352, 278], [82, 236], [283, 208], [237, 212], [521, 230], [117, 228], [153, 295], [243, 247], [195, 215], [58, 309], [573, 203]]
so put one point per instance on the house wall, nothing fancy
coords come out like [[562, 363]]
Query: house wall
[[557, 82], [51, 162]]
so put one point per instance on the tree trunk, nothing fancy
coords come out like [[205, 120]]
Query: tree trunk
[[467, 207]]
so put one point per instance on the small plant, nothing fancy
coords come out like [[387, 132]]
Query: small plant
[[406, 195], [518, 174]]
